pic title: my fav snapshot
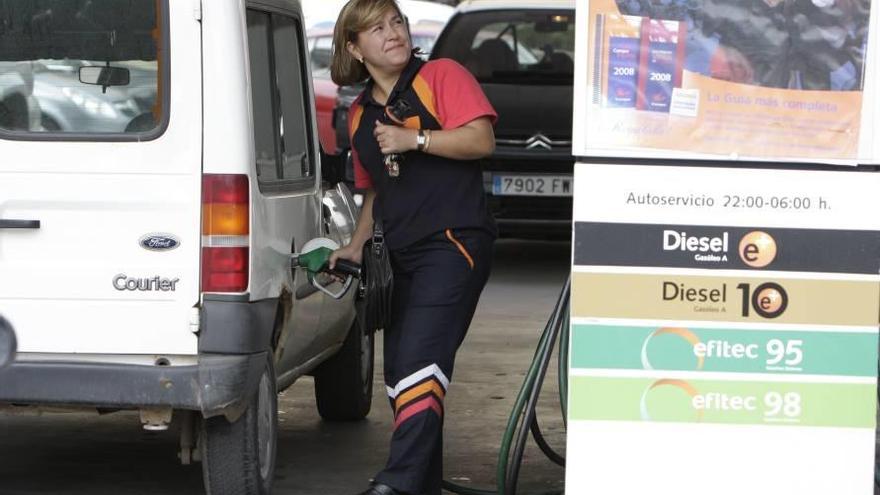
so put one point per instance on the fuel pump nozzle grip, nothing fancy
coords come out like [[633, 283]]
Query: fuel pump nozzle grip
[[346, 268], [318, 260], [315, 259]]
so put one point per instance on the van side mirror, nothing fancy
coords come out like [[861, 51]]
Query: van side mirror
[[105, 76], [332, 167], [7, 343]]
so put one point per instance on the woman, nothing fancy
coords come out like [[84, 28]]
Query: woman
[[433, 214]]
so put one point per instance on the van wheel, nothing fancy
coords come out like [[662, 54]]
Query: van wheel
[[238, 458], [344, 383]]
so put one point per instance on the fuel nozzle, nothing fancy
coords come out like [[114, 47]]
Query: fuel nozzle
[[315, 258], [313, 261]]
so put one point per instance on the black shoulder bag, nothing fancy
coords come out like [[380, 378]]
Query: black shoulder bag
[[377, 282]]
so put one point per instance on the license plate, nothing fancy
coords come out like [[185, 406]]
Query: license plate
[[531, 185]]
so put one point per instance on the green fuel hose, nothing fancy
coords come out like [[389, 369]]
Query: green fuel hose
[[523, 417]]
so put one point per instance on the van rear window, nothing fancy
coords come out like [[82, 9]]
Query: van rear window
[[87, 69]]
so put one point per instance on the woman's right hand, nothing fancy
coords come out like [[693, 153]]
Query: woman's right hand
[[348, 252]]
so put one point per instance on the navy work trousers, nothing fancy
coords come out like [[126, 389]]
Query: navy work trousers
[[437, 284]]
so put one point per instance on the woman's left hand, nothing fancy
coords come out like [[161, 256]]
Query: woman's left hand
[[394, 139]]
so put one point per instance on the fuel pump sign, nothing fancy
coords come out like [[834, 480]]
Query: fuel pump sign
[[723, 346]]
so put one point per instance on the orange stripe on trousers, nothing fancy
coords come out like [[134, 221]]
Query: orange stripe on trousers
[[461, 248], [429, 386]]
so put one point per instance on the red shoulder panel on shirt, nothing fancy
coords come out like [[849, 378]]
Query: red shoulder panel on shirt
[[452, 94]]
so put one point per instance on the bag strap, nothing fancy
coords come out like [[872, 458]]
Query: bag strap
[[410, 76], [378, 241], [402, 85]]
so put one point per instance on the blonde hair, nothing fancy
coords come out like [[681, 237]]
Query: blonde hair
[[355, 17]]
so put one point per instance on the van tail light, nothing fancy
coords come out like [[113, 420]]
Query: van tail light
[[225, 232]]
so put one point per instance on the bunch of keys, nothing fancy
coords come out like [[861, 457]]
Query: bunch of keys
[[395, 114], [392, 165]]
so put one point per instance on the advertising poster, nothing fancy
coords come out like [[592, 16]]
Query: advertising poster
[[772, 80], [724, 334]]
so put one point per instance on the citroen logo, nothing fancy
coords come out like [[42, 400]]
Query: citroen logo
[[539, 141]]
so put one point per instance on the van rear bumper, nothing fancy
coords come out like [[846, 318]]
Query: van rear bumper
[[217, 383]]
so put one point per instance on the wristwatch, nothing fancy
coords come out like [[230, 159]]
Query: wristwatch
[[421, 140]]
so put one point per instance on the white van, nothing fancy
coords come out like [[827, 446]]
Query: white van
[[148, 215]]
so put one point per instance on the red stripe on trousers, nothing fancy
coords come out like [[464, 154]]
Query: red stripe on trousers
[[429, 402]]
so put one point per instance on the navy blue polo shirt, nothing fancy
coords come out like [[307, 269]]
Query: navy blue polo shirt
[[431, 193]]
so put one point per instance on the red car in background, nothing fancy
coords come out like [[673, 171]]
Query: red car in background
[[320, 50]]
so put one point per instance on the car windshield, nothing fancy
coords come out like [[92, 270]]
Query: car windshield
[[512, 46], [424, 42], [81, 68]]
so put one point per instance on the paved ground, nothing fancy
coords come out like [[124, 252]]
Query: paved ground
[[79, 454]]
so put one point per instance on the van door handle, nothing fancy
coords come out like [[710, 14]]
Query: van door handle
[[19, 224]]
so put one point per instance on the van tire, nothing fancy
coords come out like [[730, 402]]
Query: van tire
[[344, 383], [232, 461]]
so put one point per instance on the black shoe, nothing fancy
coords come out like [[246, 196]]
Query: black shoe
[[380, 489]]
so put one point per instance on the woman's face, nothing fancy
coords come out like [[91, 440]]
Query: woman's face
[[384, 45]]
